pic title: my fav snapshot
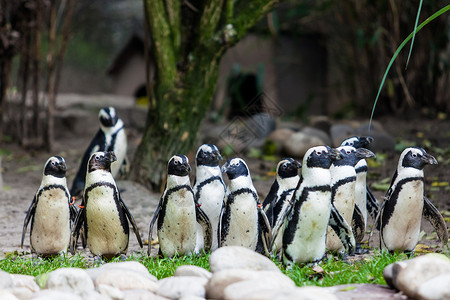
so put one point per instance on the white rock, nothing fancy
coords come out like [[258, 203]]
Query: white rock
[[55, 295], [420, 270], [141, 295], [236, 257], [126, 280], [305, 293], [110, 291], [25, 281], [220, 280], [124, 265], [298, 143], [391, 271], [5, 280], [21, 293], [94, 295], [435, 288], [7, 295], [322, 135], [177, 287], [191, 297], [189, 270], [73, 280], [250, 289]]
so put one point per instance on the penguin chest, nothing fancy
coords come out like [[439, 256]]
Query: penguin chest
[[178, 231], [106, 235], [50, 232], [402, 230], [361, 195], [211, 200], [242, 222], [344, 200], [308, 243]]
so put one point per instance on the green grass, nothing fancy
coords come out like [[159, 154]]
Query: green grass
[[331, 272]]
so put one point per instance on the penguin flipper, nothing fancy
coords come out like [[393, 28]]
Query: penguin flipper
[[281, 219], [152, 223], [203, 220], [432, 214], [77, 225], [342, 230], [372, 205], [132, 221], [265, 233], [358, 226], [30, 213]]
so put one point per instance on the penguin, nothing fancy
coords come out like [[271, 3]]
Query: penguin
[[343, 193], [178, 213], [280, 194], [243, 221], [51, 212], [111, 136], [103, 215], [305, 223], [209, 189], [404, 204]]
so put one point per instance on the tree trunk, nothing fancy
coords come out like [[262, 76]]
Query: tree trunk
[[188, 41]]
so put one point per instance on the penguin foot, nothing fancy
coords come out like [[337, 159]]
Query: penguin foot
[[122, 257], [359, 250], [98, 261]]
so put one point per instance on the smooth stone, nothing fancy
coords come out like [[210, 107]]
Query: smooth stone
[[7, 295], [340, 132], [298, 143], [322, 135], [279, 136], [110, 291], [21, 293], [94, 295], [237, 257], [305, 293], [222, 279], [141, 295], [55, 295], [191, 297], [180, 286], [125, 265], [382, 140], [420, 270], [189, 270], [261, 124], [364, 291], [73, 280], [436, 288], [391, 271], [250, 289], [126, 280], [25, 281], [5, 280], [321, 122]]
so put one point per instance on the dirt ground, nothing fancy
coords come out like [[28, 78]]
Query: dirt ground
[[22, 171]]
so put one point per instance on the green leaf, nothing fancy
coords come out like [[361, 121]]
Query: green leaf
[[414, 35]]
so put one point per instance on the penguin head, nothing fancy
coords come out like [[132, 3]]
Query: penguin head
[[108, 116], [208, 155], [235, 167], [417, 158], [55, 166], [178, 165], [288, 167], [321, 157], [358, 141], [350, 156], [101, 161]]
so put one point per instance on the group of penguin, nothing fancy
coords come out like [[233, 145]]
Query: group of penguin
[[303, 216]]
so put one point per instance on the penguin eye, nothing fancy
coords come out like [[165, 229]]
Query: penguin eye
[[176, 162], [348, 152], [319, 152], [414, 155]]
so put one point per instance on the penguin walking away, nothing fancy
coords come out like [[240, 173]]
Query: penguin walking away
[[103, 214], [178, 214], [305, 224], [111, 136], [279, 197], [243, 221], [343, 193], [404, 204], [209, 189], [50, 212]]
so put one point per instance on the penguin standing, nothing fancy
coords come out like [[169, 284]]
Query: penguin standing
[[343, 193], [305, 224], [209, 189], [280, 194], [111, 136], [243, 221], [50, 211], [401, 212], [103, 213], [177, 213]]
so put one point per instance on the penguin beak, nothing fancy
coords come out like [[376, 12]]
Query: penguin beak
[[429, 159], [225, 167], [297, 164], [217, 155], [334, 154], [62, 166], [112, 157], [364, 153], [187, 166]]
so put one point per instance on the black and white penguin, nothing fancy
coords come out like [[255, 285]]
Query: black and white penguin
[[243, 221], [50, 211], [401, 212], [209, 189], [306, 222], [280, 194], [343, 193], [103, 214], [178, 214], [111, 136]]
